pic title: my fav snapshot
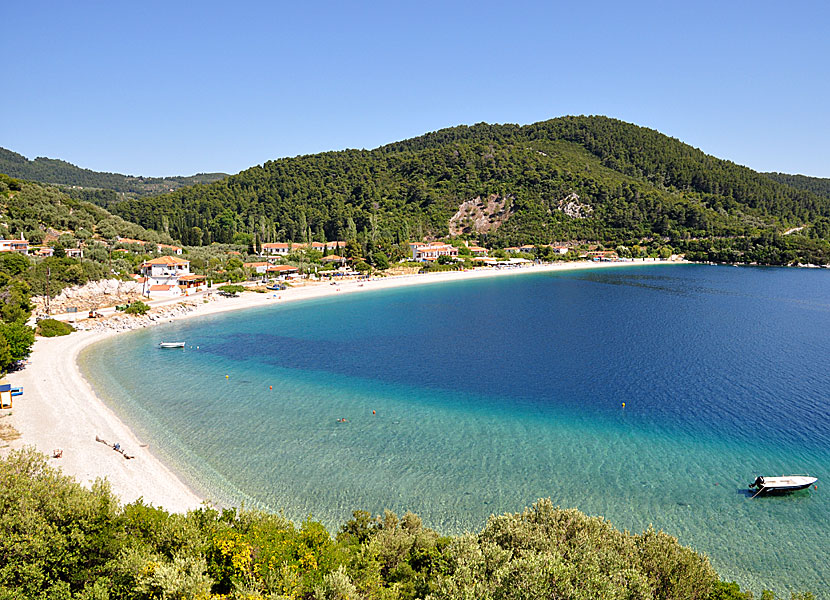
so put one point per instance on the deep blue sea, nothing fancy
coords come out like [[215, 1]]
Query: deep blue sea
[[471, 398]]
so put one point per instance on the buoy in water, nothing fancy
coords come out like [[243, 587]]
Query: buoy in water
[[373, 412], [227, 376], [623, 404], [270, 387]]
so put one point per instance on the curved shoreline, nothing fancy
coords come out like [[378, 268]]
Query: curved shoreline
[[60, 410]]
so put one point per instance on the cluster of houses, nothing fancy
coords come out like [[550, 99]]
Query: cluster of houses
[[22, 246], [169, 276], [531, 249], [285, 248]]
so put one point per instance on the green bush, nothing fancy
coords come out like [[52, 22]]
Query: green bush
[[53, 328], [137, 308], [231, 289], [61, 540]]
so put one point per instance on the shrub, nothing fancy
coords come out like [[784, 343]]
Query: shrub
[[137, 308], [231, 289], [53, 328]]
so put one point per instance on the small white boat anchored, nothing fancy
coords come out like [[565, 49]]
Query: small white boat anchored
[[783, 484], [171, 345]]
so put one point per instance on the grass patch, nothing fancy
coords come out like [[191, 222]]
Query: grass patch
[[8, 433]]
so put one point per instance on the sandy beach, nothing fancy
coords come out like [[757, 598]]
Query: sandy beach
[[59, 409]]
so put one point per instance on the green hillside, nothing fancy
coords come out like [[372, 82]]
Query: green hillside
[[31, 210], [817, 185], [50, 170], [571, 178]]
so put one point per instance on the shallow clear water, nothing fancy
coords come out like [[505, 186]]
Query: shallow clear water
[[490, 394]]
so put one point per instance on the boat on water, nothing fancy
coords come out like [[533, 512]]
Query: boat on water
[[171, 345], [783, 484]]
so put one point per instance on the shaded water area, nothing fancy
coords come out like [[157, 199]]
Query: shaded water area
[[489, 394]]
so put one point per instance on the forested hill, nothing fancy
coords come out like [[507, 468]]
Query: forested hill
[[588, 178], [818, 185], [50, 170]]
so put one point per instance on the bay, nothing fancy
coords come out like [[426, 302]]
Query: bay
[[473, 398]]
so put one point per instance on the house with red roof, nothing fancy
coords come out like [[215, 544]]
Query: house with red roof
[[276, 248], [168, 276], [431, 252], [256, 267], [21, 246], [281, 271]]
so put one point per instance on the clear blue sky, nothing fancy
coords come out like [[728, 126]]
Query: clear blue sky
[[164, 88]]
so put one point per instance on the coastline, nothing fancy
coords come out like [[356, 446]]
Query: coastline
[[60, 410]]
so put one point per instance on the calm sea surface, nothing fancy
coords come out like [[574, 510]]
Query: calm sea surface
[[490, 394]]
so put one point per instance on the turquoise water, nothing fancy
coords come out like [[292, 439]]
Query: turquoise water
[[490, 394]]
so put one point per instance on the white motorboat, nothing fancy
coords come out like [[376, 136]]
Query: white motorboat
[[785, 483], [171, 345]]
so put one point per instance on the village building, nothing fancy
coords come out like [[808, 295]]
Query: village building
[[21, 246], [431, 252], [168, 277], [257, 267], [602, 255], [278, 248], [74, 252], [333, 259], [325, 247], [281, 271]]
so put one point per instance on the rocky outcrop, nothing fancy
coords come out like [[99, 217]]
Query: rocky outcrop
[[572, 206], [124, 322], [481, 216], [91, 296]]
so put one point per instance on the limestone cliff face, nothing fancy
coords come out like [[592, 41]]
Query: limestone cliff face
[[481, 215], [93, 295], [572, 206]]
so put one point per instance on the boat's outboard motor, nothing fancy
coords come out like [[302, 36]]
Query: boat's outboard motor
[[758, 483]]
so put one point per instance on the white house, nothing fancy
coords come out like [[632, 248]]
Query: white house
[[431, 252], [21, 246], [162, 274], [279, 248], [257, 267]]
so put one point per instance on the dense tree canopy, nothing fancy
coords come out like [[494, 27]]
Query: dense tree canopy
[[50, 170], [573, 178], [59, 540]]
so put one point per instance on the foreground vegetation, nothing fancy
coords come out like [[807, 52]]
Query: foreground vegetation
[[59, 540]]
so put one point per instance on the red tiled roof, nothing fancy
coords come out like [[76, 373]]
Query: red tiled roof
[[283, 268], [160, 288], [166, 260]]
